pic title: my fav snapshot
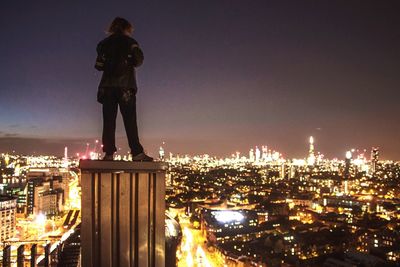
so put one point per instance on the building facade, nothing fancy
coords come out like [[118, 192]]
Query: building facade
[[8, 209]]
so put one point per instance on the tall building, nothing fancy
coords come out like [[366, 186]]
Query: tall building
[[282, 170], [161, 153], [251, 155], [8, 209], [292, 171], [50, 202], [61, 182], [264, 153], [65, 159], [374, 158], [347, 165], [47, 195], [311, 152], [31, 197], [258, 154]]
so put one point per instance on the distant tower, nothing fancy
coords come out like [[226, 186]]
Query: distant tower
[[311, 152], [258, 154], [65, 161], [237, 156], [7, 159], [347, 174], [251, 155], [282, 171], [161, 153], [349, 156], [374, 158], [264, 153], [292, 171]]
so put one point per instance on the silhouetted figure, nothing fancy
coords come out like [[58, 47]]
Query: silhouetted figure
[[117, 56]]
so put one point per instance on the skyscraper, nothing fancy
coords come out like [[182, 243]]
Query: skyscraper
[[374, 158], [161, 153], [258, 154], [311, 152], [8, 207], [251, 155], [31, 200], [349, 156], [264, 155], [65, 160], [282, 170]]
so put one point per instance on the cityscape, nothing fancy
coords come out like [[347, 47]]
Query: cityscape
[[212, 133], [249, 209]]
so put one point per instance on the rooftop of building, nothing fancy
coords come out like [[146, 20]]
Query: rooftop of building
[[6, 198]]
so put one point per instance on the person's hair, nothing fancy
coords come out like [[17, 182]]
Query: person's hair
[[119, 26]]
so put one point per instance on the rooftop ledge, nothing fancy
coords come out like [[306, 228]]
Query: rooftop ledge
[[121, 166]]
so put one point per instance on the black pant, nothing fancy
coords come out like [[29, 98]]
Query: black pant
[[126, 99]]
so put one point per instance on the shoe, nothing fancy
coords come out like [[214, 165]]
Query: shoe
[[108, 157], [142, 157]]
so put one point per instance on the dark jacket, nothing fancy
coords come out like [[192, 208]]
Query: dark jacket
[[117, 56]]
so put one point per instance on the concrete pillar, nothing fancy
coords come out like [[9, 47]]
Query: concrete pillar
[[6, 256], [46, 259], [20, 256], [33, 255], [123, 213]]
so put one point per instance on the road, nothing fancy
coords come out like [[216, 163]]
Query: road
[[194, 251]]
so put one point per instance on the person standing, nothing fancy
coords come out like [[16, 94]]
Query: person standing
[[117, 57]]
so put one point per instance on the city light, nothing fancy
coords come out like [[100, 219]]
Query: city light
[[40, 219], [228, 216], [225, 206]]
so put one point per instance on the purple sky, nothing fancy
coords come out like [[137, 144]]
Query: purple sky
[[219, 76]]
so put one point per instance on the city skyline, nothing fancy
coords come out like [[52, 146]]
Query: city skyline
[[256, 208], [227, 76], [256, 153]]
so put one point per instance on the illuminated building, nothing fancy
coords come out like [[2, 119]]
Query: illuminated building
[[237, 156], [61, 182], [264, 153], [374, 159], [65, 162], [8, 209], [161, 153], [347, 166], [309, 216], [32, 193], [311, 152], [17, 192], [6, 159], [258, 154], [282, 171], [47, 195], [292, 171], [251, 155], [49, 202], [227, 225]]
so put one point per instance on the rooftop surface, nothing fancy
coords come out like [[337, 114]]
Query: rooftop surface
[[119, 165]]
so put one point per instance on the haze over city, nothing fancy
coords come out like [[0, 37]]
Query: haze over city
[[218, 76]]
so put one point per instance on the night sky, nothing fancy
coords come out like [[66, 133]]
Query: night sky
[[219, 75]]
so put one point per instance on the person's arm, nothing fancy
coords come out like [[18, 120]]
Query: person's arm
[[100, 60], [136, 55]]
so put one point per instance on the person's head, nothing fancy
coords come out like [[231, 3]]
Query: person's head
[[120, 26]]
